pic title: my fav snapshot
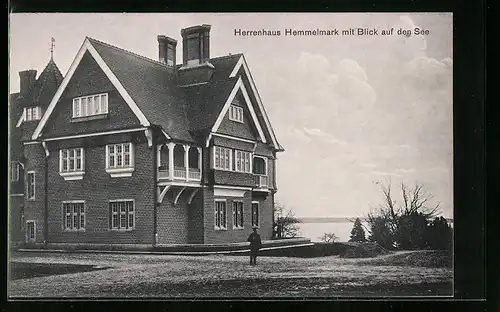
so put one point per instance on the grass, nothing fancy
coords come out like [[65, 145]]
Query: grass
[[230, 276]]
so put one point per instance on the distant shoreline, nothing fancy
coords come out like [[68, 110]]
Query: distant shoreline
[[336, 219]]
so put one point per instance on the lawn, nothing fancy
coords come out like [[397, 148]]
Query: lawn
[[219, 276]]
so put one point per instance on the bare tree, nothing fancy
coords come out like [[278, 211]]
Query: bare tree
[[389, 222], [329, 238], [285, 222]]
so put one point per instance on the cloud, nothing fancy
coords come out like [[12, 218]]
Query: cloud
[[323, 136], [353, 86]]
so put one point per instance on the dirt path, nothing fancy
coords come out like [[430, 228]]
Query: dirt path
[[226, 276]]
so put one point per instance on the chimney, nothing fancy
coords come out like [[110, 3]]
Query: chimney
[[27, 80], [195, 44], [167, 50]]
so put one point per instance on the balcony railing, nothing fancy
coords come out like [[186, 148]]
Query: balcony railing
[[179, 174], [261, 181], [194, 174]]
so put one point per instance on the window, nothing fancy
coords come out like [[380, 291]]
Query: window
[[74, 215], [121, 215], [30, 185], [236, 113], [222, 158], [90, 105], [120, 155], [242, 161], [220, 215], [237, 214], [260, 165], [21, 217], [14, 173], [30, 231], [255, 214], [32, 113], [71, 160]]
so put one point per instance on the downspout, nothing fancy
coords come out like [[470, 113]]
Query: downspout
[[155, 193], [45, 199]]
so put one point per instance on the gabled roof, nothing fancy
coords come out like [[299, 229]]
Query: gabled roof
[[152, 86], [186, 113], [43, 89], [46, 85]]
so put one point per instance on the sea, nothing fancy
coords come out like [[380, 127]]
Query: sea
[[316, 229]]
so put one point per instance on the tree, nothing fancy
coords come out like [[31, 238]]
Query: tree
[[285, 222], [329, 238], [404, 225], [357, 232]]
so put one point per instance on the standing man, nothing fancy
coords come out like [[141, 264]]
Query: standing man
[[255, 244]]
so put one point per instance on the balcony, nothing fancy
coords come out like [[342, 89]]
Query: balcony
[[261, 181], [184, 159]]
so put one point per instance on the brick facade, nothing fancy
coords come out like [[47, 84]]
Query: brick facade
[[97, 188], [231, 235], [89, 79], [188, 221]]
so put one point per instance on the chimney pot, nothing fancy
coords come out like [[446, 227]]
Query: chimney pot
[[196, 44], [167, 50], [27, 79]]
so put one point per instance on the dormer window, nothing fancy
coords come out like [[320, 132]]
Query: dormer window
[[90, 105], [32, 113], [236, 113]]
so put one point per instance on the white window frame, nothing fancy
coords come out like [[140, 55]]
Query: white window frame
[[238, 226], [79, 215], [236, 113], [80, 109], [28, 238], [32, 113], [265, 164], [218, 226], [71, 173], [28, 185], [227, 152], [123, 170], [246, 158], [118, 213], [14, 171], [258, 214]]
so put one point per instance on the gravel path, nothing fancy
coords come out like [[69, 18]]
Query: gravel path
[[226, 276]]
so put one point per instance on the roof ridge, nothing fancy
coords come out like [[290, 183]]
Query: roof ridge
[[226, 56], [132, 53]]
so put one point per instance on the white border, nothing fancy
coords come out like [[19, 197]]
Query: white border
[[77, 136], [87, 46]]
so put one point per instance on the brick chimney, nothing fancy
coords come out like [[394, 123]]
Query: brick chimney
[[195, 44], [27, 80], [167, 50]]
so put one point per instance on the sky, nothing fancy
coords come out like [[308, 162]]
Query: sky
[[352, 112]]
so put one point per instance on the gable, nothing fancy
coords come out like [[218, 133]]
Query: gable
[[245, 130], [241, 68], [239, 87], [89, 79], [87, 47]]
